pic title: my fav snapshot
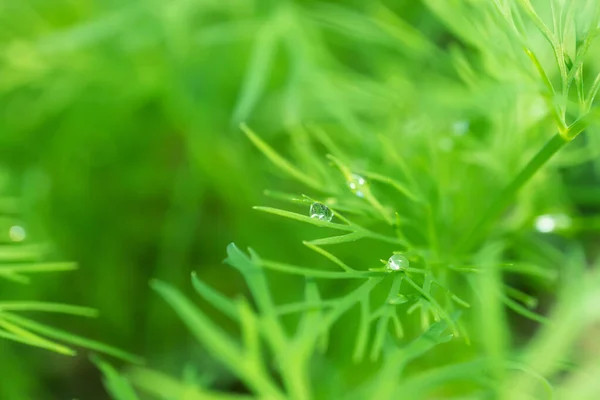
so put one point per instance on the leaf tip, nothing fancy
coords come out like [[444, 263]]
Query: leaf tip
[[156, 284]]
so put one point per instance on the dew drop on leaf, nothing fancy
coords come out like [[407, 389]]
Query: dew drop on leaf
[[548, 223], [459, 128], [321, 212], [17, 233], [356, 184], [397, 262]]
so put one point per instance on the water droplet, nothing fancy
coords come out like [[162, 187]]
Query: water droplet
[[321, 212], [17, 233], [397, 262], [459, 128], [357, 184], [548, 223], [531, 303], [538, 109]]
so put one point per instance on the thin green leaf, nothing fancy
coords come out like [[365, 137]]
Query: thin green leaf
[[292, 308], [295, 270], [11, 276], [220, 344], [304, 218], [382, 325], [525, 312], [311, 318], [258, 72], [279, 161], [288, 197], [362, 336], [348, 238], [32, 338], [163, 386], [47, 307], [593, 92], [384, 384], [530, 11], [116, 385], [37, 343], [434, 302], [37, 267], [20, 253], [250, 330], [329, 256], [392, 182], [366, 191], [70, 338], [346, 303], [422, 384], [528, 300], [222, 303]]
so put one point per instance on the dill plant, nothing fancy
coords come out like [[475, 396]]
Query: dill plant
[[23, 259], [442, 149]]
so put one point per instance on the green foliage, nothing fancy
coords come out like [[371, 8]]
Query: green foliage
[[293, 353], [20, 257], [420, 187], [460, 134]]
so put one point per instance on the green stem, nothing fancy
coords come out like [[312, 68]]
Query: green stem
[[503, 200], [308, 272]]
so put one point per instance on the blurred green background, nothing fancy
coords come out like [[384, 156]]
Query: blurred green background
[[118, 135], [119, 139]]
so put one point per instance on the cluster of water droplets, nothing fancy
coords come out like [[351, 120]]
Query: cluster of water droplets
[[321, 212], [397, 262], [357, 184], [459, 128]]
